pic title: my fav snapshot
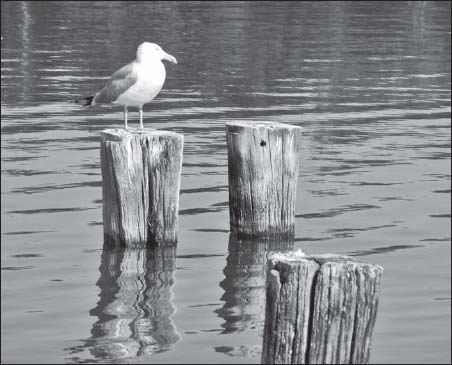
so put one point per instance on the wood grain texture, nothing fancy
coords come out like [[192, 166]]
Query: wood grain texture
[[263, 174], [320, 309], [140, 186]]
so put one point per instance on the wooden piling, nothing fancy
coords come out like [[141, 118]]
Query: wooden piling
[[140, 186], [320, 309], [263, 173]]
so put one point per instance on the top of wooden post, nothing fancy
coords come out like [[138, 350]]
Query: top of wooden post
[[120, 133], [299, 255], [260, 124]]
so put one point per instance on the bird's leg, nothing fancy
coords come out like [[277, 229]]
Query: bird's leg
[[141, 117], [125, 117]]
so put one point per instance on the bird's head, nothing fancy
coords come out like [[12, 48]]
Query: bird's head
[[150, 51]]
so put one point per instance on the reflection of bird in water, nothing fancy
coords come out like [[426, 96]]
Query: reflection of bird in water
[[136, 83]]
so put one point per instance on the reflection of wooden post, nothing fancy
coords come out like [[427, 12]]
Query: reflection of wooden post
[[135, 307], [244, 282], [263, 173], [140, 186], [320, 309]]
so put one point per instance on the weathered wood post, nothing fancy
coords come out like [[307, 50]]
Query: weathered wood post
[[140, 186], [263, 174], [320, 309]]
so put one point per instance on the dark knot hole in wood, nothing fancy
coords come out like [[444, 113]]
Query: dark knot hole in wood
[[263, 143]]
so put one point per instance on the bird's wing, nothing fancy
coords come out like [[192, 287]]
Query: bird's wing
[[119, 82]]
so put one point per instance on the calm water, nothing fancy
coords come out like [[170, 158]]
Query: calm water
[[368, 82]]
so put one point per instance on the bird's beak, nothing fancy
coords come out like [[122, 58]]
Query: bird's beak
[[170, 58]]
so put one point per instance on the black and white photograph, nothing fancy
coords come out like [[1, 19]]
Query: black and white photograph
[[225, 182]]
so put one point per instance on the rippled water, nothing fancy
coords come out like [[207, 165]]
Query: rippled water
[[369, 82]]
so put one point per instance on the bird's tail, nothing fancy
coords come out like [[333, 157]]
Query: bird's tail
[[87, 101]]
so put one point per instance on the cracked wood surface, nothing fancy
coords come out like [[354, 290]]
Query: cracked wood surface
[[140, 186], [320, 309], [263, 174]]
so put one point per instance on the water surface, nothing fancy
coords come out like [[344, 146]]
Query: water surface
[[369, 82]]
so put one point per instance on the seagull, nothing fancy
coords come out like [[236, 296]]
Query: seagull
[[136, 83]]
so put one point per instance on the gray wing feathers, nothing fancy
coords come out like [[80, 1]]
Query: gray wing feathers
[[119, 82]]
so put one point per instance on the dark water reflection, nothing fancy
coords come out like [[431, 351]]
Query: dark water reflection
[[135, 308], [244, 283], [244, 292], [368, 81]]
